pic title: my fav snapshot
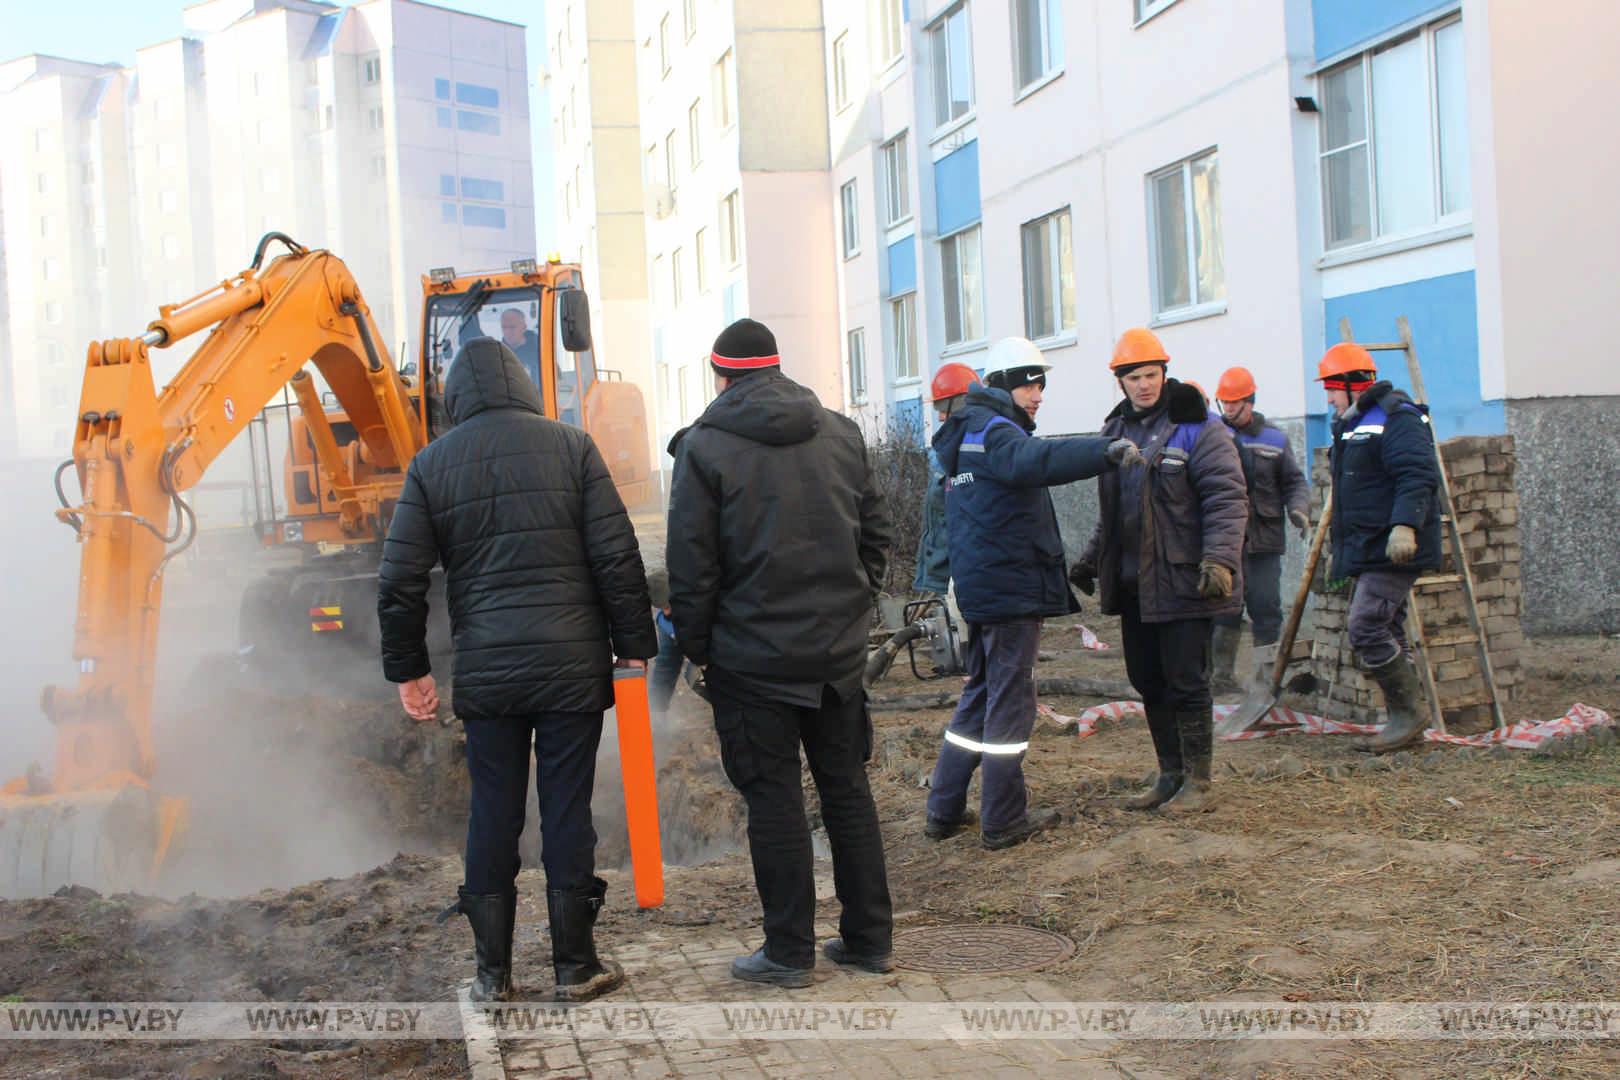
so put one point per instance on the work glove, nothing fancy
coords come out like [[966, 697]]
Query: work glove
[[1302, 522], [1214, 581], [1123, 453], [1083, 576], [1402, 546]]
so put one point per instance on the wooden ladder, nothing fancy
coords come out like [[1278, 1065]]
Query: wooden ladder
[[1459, 556]]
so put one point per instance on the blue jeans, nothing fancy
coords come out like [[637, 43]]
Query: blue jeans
[[991, 727]]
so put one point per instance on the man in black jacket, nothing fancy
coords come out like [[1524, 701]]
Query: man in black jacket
[[1386, 525], [545, 586], [778, 544]]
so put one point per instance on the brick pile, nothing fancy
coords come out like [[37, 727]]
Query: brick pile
[[1482, 470]]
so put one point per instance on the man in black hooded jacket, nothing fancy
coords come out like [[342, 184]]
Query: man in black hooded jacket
[[778, 544], [545, 586]]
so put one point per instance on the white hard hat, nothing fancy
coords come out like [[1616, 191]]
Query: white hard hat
[[1013, 354]]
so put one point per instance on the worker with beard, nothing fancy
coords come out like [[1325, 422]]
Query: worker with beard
[[1168, 555]]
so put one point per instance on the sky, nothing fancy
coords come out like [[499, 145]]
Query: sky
[[109, 31]]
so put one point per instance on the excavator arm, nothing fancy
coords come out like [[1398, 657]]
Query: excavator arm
[[137, 450]]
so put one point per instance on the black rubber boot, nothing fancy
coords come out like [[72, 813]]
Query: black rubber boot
[[1167, 746], [1035, 821], [1197, 753], [581, 974], [493, 916], [1403, 700], [1223, 650]]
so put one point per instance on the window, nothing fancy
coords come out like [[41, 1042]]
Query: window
[[168, 156], [482, 97], [852, 223], [951, 57], [447, 185], [41, 135], [903, 324], [41, 184], [657, 278], [857, 366], [700, 258], [1146, 9], [171, 247], [675, 277], [45, 226], [484, 217], [441, 89], [1394, 138], [891, 34], [896, 181], [723, 115], [730, 227], [840, 66], [663, 45], [371, 69], [1048, 276], [689, 18], [49, 268], [328, 117], [694, 143], [374, 118], [270, 181], [379, 166], [964, 302], [169, 201], [1037, 40], [1185, 221], [669, 159], [487, 190], [88, 174], [483, 123], [447, 213], [444, 117], [53, 311]]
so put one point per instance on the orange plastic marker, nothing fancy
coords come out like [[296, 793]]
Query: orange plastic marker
[[640, 784]]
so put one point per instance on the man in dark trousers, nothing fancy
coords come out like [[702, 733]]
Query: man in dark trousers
[[545, 586], [1277, 490], [1386, 525], [1168, 553], [778, 544], [1006, 556]]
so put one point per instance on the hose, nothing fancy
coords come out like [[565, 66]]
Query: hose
[[72, 519], [270, 237], [877, 665]]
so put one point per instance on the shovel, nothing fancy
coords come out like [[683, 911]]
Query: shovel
[[1266, 685]]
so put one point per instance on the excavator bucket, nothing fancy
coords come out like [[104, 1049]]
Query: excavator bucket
[[111, 841]]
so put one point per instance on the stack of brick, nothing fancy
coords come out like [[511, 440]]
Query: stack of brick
[[1487, 506]]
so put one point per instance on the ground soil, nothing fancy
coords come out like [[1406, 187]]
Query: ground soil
[[1457, 876]]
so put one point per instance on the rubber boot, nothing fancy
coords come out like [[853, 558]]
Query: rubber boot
[[1223, 650], [581, 974], [1167, 746], [1197, 751], [493, 917], [1403, 700]]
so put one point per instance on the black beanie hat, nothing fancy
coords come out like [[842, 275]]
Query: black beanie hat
[[743, 347]]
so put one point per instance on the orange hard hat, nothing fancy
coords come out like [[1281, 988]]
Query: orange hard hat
[[1343, 359], [952, 380], [1236, 384], [1138, 346]]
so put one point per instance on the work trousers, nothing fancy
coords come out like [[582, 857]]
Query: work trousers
[[564, 747], [1262, 598], [759, 747], [1167, 662], [1377, 621], [990, 728], [666, 671]]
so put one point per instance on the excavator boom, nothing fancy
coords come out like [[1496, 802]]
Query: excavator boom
[[136, 451]]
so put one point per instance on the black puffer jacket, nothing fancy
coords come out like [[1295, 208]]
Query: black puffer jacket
[[540, 560], [778, 541], [1384, 474]]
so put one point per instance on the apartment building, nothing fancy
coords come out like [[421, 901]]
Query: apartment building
[[392, 132], [735, 155], [600, 200]]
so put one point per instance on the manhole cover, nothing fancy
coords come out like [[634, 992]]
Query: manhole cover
[[977, 949]]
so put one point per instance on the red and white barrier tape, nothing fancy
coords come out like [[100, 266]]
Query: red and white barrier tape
[[1089, 640], [1525, 735]]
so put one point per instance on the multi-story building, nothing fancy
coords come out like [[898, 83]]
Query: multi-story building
[[735, 154], [596, 160], [392, 132]]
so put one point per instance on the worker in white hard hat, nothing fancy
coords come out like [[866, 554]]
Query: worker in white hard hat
[[1006, 557]]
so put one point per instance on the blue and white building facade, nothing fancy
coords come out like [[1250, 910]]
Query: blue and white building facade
[[1241, 177]]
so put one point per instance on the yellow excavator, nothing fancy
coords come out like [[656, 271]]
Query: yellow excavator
[[97, 819]]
